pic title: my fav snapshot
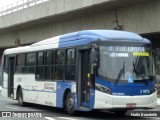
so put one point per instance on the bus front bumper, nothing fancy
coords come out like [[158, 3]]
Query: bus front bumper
[[106, 101]]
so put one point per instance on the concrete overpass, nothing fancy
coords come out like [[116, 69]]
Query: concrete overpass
[[29, 21], [36, 20]]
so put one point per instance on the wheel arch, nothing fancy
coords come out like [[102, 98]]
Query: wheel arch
[[65, 96]]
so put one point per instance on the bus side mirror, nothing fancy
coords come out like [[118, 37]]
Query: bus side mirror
[[94, 58]]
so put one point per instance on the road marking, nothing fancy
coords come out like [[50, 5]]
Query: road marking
[[67, 118], [11, 108], [49, 118]]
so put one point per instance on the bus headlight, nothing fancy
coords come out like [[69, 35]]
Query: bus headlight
[[103, 88]]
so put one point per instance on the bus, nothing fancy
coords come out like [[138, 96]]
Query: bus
[[83, 71]]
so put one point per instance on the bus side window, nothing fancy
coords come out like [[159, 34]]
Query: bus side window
[[20, 63], [30, 63], [40, 66], [59, 65], [70, 64], [48, 65]]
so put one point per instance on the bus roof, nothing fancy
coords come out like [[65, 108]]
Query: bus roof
[[79, 38]]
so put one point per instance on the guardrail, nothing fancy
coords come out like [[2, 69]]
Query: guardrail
[[19, 5]]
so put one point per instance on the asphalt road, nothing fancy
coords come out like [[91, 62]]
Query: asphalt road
[[10, 107]]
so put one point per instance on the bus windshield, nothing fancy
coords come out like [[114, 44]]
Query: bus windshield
[[125, 64]]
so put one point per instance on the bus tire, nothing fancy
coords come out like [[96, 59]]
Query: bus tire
[[69, 104], [20, 98]]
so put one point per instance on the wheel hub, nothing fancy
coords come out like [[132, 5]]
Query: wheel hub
[[70, 103]]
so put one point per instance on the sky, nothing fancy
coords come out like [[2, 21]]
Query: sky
[[4, 3]]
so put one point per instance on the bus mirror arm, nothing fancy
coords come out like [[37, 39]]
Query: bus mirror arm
[[94, 59], [92, 69], [94, 54]]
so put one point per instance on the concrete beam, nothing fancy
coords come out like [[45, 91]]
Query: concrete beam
[[101, 16], [55, 10]]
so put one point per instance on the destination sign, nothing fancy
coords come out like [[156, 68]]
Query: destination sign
[[129, 49], [126, 49]]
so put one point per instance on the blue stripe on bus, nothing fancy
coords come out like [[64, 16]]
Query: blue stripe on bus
[[68, 35], [87, 36], [92, 98], [112, 35], [61, 87], [75, 43], [126, 89], [81, 41]]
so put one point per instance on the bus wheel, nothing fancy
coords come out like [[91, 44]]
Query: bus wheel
[[20, 97], [69, 104]]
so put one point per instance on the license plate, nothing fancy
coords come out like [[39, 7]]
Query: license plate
[[130, 105]]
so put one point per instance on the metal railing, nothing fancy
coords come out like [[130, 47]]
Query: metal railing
[[19, 5]]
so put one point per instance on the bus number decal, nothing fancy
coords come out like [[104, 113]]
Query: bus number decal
[[144, 91]]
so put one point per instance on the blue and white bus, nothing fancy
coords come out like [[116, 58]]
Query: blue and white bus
[[84, 70]]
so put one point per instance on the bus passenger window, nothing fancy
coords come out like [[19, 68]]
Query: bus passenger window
[[59, 57], [70, 65], [30, 59], [48, 65], [70, 56], [20, 63], [59, 65], [30, 63], [48, 57], [40, 66], [70, 72], [58, 73]]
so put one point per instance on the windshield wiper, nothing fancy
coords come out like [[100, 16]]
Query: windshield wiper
[[120, 73], [141, 75], [138, 73]]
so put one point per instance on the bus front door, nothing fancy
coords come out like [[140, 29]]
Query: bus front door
[[11, 76], [83, 89]]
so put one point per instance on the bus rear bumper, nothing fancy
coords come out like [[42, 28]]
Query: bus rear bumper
[[106, 101]]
